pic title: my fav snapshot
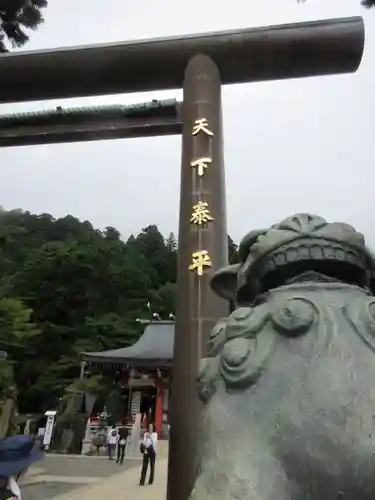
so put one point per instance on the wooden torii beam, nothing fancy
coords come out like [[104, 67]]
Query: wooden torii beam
[[247, 55], [199, 64]]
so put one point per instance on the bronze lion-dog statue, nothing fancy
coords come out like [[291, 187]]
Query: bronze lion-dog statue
[[289, 382]]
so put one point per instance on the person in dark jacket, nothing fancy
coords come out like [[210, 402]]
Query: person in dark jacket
[[121, 444]]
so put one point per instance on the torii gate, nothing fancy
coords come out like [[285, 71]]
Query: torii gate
[[200, 64]]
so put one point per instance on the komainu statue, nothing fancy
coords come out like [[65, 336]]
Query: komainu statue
[[289, 384]]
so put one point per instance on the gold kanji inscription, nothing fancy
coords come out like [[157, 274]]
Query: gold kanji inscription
[[201, 259], [201, 164], [201, 214], [201, 125]]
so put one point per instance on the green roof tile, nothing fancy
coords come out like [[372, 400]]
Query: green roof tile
[[60, 115]]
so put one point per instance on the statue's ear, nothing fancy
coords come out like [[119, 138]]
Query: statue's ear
[[224, 282], [247, 241]]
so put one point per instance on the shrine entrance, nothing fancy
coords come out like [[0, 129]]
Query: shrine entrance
[[200, 64]]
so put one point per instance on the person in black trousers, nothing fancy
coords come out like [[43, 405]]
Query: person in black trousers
[[121, 444], [149, 456]]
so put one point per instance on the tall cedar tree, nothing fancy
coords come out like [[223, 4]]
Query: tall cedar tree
[[17, 17]]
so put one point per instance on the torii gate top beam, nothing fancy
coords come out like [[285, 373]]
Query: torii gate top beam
[[249, 55]]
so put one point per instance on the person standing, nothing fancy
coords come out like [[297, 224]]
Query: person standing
[[121, 445], [112, 438], [148, 449]]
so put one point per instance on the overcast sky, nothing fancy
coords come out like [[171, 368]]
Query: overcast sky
[[290, 146]]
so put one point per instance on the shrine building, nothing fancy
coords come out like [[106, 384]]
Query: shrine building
[[143, 374]]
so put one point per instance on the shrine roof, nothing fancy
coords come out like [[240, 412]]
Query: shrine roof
[[61, 115], [154, 348]]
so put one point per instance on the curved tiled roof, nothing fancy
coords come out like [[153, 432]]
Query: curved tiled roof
[[60, 115], [155, 347]]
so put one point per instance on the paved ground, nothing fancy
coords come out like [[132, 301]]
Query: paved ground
[[123, 486], [59, 475]]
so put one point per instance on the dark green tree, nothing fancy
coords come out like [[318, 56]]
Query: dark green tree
[[232, 251], [17, 330], [111, 233], [151, 244], [85, 296], [17, 17]]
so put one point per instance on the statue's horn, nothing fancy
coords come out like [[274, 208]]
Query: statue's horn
[[247, 241]]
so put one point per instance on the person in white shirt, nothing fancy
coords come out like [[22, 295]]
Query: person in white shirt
[[148, 449], [112, 437], [154, 437]]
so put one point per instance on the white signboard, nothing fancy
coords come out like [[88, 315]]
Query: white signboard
[[27, 427], [49, 428]]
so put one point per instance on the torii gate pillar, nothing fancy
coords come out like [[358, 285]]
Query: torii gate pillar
[[202, 248]]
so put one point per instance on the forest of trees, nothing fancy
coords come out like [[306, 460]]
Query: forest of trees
[[66, 288]]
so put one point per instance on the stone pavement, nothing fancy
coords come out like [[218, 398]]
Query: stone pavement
[[123, 485], [57, 475]]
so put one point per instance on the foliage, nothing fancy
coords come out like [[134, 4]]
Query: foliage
[[93, 384], [67, 288], [232, 251], [16, 330], [17, 17], [16, 326], [6, 378]]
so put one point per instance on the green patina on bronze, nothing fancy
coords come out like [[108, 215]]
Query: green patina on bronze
[[61, 115], [288, 382]]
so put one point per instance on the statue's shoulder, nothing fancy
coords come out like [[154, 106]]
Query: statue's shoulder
[[244, 322], [236, 352]]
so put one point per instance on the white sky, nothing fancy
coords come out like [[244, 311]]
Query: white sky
[[291, 146]]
